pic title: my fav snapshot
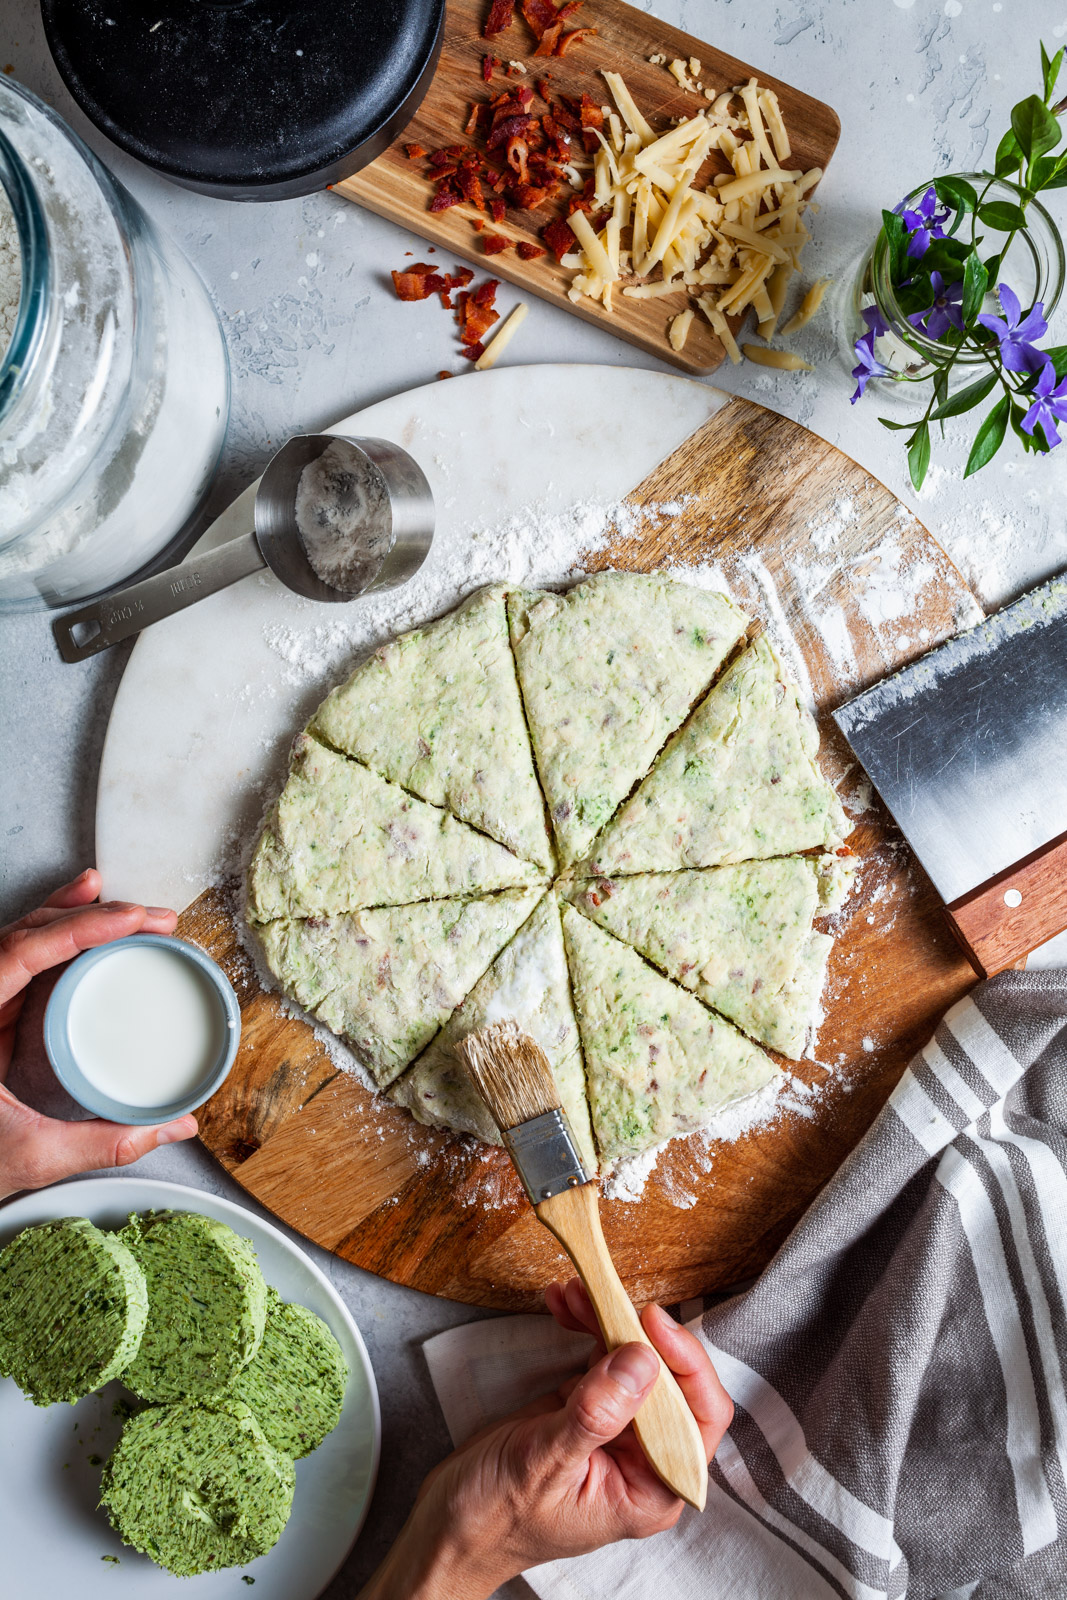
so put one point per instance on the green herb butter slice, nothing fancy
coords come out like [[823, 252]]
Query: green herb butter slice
[[738, 782], [740, 937], [207, 1303], [198, 1487], [340, 838], [438, 711], [607, 671], [658, 1062], [385, 980], [73, 1306], [295, 1387], [527, 984]]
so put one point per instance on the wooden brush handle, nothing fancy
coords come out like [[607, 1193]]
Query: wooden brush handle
[[665, 1426]]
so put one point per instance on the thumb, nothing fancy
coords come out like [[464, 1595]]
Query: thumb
[[606, 1401], [58, 1149]]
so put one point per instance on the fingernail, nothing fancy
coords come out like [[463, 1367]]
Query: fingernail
[[175, 1132], [118, 905], [159, 911], [633, 1368]]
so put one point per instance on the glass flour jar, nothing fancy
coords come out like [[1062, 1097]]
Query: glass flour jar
[[114, 388]]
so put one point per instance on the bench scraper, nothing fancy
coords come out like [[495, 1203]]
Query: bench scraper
[[968, 748]]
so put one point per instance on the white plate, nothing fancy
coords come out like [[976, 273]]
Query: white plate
[[52, 1536]]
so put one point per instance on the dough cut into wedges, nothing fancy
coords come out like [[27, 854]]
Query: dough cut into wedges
[[387, 979], [738, 782], [438, 711], [658, 1062], [341, 838], [740, 937], [528, 983], [607, 672]]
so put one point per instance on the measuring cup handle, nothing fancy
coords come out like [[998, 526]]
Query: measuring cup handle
[[117, 616]]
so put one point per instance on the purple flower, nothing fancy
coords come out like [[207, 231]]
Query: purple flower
[[869, 367], [1013, 335], [876, 323], [944, 313], [924, 223], [1050, 405]]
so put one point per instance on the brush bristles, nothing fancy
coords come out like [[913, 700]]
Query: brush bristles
[[511, 1073]]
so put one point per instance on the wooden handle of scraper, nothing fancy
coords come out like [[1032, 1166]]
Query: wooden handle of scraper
[[1013, 913], [666, 1428]]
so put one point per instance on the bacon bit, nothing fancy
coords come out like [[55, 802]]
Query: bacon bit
[[518, 155], [485, 293], [479, 222], [414, 152], [462, 276], [501, 15], [473, 352], [489, 66], [493, 243], [445, 374], [477, 321], [558, 237], [550, 38], [539, 14], [528, 251], [470, 186], [498, 210], [508, 128], [542, 87], [443, 199], [574, 37]]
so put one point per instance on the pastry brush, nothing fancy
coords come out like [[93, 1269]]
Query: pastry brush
[[513, 1077]]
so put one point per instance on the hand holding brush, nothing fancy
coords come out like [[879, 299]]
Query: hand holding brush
[[513, 1076]]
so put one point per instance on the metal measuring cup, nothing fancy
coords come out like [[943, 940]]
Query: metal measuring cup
[[274, 543]]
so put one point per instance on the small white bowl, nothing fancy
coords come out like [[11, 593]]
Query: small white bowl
[[64, 1060]]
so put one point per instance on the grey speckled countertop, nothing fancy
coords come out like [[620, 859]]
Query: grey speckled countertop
[[921, 87]]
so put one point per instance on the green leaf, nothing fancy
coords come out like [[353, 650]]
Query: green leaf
[[919, 454], [1050, 172], [992, 266], [1003, 215], [1057, 354], [975, 287], [901, 426], [989, 438], [897, 239], [941, 386], [957, 193], [1008, 156], [1024, 438], [1050, 71], [1035, 128], [965, 399]]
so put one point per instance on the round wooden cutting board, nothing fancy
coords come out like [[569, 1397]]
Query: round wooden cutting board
[[845, 579]]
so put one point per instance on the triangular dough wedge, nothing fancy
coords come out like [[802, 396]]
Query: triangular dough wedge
[[528, 983], [438, 711], [657, 1062], [386, 980], [740, 936], [607, 672], [340, 838], [738, 782]]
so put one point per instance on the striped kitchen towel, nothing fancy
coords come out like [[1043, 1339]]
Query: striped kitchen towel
[[898, 1371]]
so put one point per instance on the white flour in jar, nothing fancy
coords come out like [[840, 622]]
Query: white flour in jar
[[10, 273], [344, 517]]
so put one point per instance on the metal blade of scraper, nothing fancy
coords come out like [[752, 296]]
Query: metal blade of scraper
[[968, 748]]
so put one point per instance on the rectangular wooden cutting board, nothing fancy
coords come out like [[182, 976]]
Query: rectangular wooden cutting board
[[625, 38]]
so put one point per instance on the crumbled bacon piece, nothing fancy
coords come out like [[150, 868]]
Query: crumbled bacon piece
[[575, 36], [444, 198], [518, 156], [474, 352], [528, 251], [498, 210], [418, 282], [485, 293], [558, 237], [414, 152], [501, 14], [489, 66], [550, 37], [444, 374], [493, 243], [539, 14]]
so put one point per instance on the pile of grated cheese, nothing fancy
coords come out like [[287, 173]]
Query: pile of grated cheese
[[732, 245]]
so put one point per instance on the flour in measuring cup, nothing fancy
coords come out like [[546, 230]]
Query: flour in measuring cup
[[10, 273], [344, 517]]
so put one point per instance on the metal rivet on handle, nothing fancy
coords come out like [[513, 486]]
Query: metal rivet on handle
[[1012, 897]]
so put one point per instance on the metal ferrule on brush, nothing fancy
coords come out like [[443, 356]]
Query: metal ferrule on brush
[[545, 1156]]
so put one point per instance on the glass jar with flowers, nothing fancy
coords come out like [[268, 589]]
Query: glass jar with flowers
[[959, 288]]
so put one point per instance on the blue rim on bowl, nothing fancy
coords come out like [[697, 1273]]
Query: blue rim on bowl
[[65, 1065]]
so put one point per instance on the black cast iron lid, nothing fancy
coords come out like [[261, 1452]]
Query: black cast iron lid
[[251, 99]]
